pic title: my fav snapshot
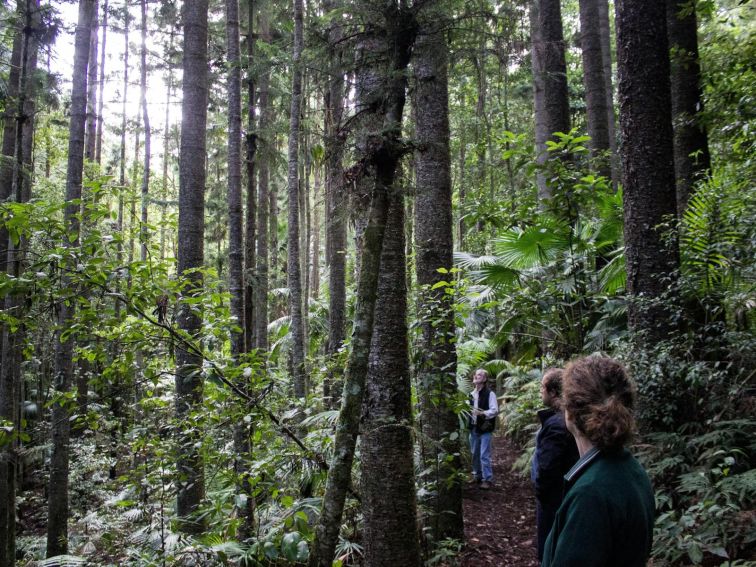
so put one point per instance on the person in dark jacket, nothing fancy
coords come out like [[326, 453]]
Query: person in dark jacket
[[483, 410], [607, 516], [554, 455]]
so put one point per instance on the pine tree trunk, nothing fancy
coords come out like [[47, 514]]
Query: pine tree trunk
[[192, 175], [692, 160], [235, 223], [378, 152], [336, 212], [436, 366], [263, 197], [595, 85], [101, 86], [388, 474], [91, 127], [648, 170], [294, 273], [143, 233], [250, 235], [13, 341], [606, 57], [539, 102], [57, 515]]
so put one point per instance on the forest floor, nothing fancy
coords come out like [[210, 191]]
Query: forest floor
[[500, 522]]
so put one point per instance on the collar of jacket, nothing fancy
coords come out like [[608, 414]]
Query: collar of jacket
[[583, 463], [545, 413]]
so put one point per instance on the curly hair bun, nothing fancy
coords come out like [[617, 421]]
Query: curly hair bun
[[599, 396]]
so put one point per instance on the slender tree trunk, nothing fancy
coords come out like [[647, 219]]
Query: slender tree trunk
[[595, 86], [143, 232], [91, 126], [192, 175], [263, 197], [235, 223], [13, 340], [101, 94], [336, 242], [692, 160], [388, 474], [378, 154], [9, 138], [648, 170], [315, 261], [436, 367], [57, 514], [250, 261], [294, 274], [539, 102], [166, 144], [606, 57]]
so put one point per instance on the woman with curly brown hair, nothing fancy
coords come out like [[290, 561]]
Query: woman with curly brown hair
[[607, 516]]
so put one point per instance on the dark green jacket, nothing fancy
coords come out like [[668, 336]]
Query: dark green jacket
[[607, 516]]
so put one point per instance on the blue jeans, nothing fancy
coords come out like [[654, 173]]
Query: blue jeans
[[480, 447]]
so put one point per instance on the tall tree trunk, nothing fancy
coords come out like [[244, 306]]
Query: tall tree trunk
[[192, 176], [235, 223], [691, 145], [392, 32], [551, 55], [9, 136], [648, 170], [436, 368], [336, 212], [539, 102], [57, 513], [143, 232], [388, 474], [250, 261], [13, 340], [595, 85], [606, 57], [263, 207], [315, 261], [91, 126], [101, 85], [166, 143], [294, 274]]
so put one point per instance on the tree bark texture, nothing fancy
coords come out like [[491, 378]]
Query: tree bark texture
[[192, 176], [539, 102], [91, 127], [386, 44], [595, 85], [692, 160], [13, 339], [250, 234], [101, 85], [646, 152], [293, 267], [234, 195], [57, 494], [606, 57], [263, 197], [437, 359], [143, 232], [336, 213], [388, 476]]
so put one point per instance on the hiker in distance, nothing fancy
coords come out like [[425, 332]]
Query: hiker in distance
[[555, 454], [482, 424]]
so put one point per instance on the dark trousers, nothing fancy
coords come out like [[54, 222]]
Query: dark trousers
[[545, 515]]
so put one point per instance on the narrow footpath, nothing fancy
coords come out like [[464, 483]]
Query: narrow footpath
[[500, 522]]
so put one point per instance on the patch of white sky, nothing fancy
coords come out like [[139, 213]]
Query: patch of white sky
[[61, 63]]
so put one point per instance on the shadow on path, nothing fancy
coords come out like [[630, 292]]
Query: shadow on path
[[500, 522]]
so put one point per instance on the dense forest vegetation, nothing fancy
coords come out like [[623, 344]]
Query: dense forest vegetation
[[251, 253]]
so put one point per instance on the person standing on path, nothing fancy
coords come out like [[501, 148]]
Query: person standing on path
[[482, 424], [607, 517], [555, 453]]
